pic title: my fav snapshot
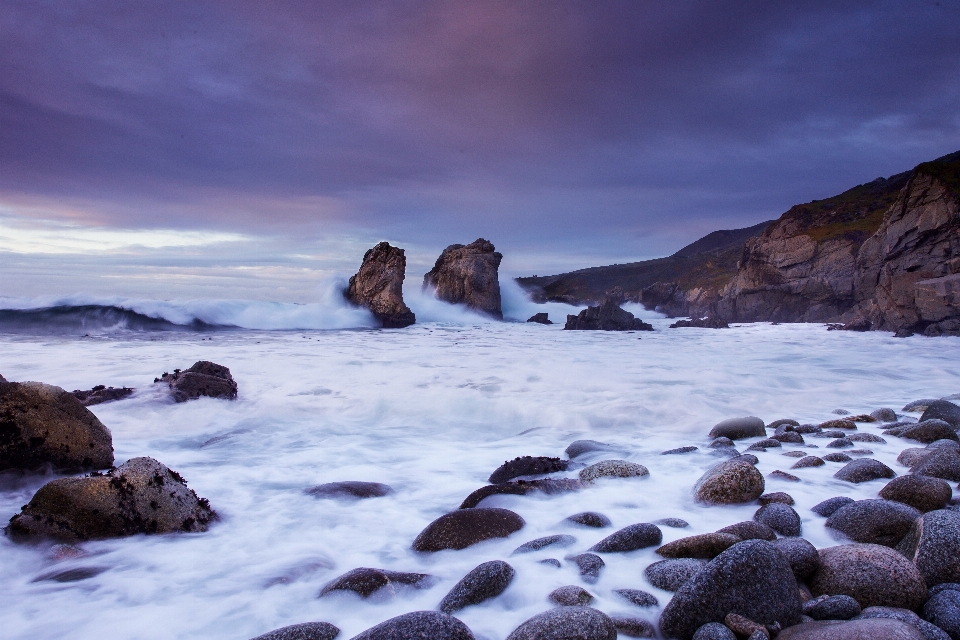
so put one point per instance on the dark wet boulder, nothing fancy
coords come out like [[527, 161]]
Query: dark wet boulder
[[706, 546], [929, 431], [866, 437], [882, 522], [100, 394], [350, 490], [43, 425], [766, 443], [866, 629], [631, 538], [670, 574], [941, 463], [788, 437], [570, 596], [807, 462], [933, 545], [802, 556], [751, 578], [204, 378], [779, 517], [864, 470], [521, 488], [558, 541], [750, 530], [486, 581], [943, 610], [714, 631], [872, 574], [884, 415], [631, 627], [613, 469], [786, 424], [580, 447], [912, 456], [463, 528], [434, 625], [590, 519], [567, 623], [679, 450], [140, 496], [540, 318], [590, 565], [378, 286], [468, 275], [722, 442], [840, 443], [730, 482], [837, 424], [918, 406], [837, 457], [606, 317], [929, 631], [366, 582], [673, 523], [303, 631], [942, 410], [832, 608], [943, 586], [637, 597], [527, 466], [701, 323], [739, 428], [920, 492]]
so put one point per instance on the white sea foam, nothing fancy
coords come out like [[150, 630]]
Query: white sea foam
[[431, 410]]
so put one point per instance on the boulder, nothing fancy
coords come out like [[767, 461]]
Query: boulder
[[527, 466], [468, 275], [521, 488], [942, 410], [589, 565], [607, 317], [931, 430], [832, 608], [100, 394], [750, 530], [837, 424], [837, 457], [463, 528], [637, 597], [590, 519], [943, 610], [882, 522], [864, 470], [929, 631], [570, 596], [872, 574], [670, 574], [714, 631], [566, 623], [350, 490], [140, 496], [701, 323], [613, 469], [204, 378], [303, 631], [434, 625], [673, 523], [884, 415], [765, 444], [739, 428], [378, 286], [540, 318], [920, 492], [789, 437], [706, 546], [802, 556], [751, 578], [866, 629], [779, 517], [808, 461], [486, 581], [918, 406], [933, 545], [559, 541], [679, 450], [866, 437], [633, 627], [941, 463], [580, 447], [366, 582], [840, 443], [730, 482], [631, 538], [44, 425]]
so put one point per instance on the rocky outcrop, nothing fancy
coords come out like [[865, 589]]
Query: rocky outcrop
[[140, 496], [378, 286], [202, 379], [100, 394], [607, 317], [468, 274], [44, 425]]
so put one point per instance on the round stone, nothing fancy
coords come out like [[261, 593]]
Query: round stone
[[943, 610], [830, 505], [776, 496], [485, 581], [465, 527], [570, 596], [779, 517], [670, 574], [560, 541], [419, 624], [864, 470], [714, 631], [631, 538], [566, 623], [613, 469], [303, 631], [750, 530], [590, 519], [832, 608], [350, 490], [874, 521], [705, 545], [808, 461], [942, 410], [803, 557], [873, 575], [933, 544], [870, 629], [930, 431], [730, 482], [920, 492], [637, 597], [527, 466], [739, 428]]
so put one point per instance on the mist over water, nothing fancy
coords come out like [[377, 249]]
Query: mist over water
[[430, 410]]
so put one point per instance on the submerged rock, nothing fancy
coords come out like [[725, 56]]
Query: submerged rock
[[873, 575], [739, 428], [864, 470], [140, 496], [434, 625], [570, 596], [204, 378], [580, 447], [350, 489], [633, 627], [560, 541], [100, 394], [607, 317], [366, 582], [521, 488], [567, 623], [670, 574], [468, 275], [527, 466], [589, 565], [303, 631], [590, 519], [540, 318], [466, 527], [730, 482], [636, 536], [637, 597], [378, 286], [486, 581], [44, 425]]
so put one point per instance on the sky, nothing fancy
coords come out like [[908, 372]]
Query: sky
[[255, 150]]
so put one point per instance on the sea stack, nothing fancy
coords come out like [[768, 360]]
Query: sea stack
[[378, 286], [468, 274]]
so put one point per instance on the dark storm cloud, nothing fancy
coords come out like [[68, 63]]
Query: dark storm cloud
[[560, 122]]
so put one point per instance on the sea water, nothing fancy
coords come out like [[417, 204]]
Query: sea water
[[430, 410]]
